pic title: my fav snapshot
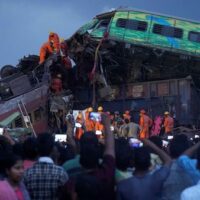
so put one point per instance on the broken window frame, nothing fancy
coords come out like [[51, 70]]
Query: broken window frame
[[89, 26], [99, 25]]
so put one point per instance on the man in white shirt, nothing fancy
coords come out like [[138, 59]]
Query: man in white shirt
[[191, 193]]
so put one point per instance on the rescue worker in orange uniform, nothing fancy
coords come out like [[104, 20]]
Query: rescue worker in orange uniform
[[98, 125], [168, 123], [127, 115], [79, 126], [89, 123], [50, 47], [145, 124]]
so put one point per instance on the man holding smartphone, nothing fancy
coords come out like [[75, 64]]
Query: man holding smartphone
[[102, 175]]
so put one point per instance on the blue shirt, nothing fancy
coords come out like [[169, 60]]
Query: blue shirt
[[142, 188], [189, 166], [176, 182]]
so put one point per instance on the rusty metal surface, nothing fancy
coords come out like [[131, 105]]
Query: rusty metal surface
[[35, 94]]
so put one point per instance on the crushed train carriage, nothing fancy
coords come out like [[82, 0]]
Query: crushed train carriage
[[138, 60]]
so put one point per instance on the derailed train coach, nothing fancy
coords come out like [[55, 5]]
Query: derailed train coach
[[149, 29], [149, 60], [137, 60], [179, 96]]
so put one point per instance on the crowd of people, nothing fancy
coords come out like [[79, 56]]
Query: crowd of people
[[93, 164], [92, 168], [123, 125]]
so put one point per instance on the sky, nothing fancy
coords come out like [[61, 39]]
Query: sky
[[25, 24]]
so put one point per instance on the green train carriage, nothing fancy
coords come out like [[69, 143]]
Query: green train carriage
[[148, 29]]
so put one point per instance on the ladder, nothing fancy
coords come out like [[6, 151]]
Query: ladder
[[25, 116]]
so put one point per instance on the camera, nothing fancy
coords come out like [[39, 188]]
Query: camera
[[95, 116]]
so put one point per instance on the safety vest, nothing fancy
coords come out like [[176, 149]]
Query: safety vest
[[89, 124], [145, 124], [168, 124]]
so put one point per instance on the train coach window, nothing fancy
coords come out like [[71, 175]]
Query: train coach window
[[18, 122], [37, 115], [121, 23], [168, 31], [137, 25], [194, 36], [103, 24], [132, 24]]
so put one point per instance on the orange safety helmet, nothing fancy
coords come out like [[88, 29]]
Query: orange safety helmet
[[127, 112], [142, 111], [100, 108], [90, 109], [62, 40], [79, 115], [54, 38]]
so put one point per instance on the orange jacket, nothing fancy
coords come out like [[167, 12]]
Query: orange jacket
[[79, 131], [89, 124], [52, 46], [145, 124], [99, 126], [168, 124]]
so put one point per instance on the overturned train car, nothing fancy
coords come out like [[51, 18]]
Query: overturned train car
[[144, 60], [130, 59]]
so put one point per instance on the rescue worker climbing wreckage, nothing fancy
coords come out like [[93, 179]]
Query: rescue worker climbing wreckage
[[54, 57], [56, 64], [52, 46]]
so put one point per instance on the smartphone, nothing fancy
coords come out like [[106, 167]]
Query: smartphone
[[95, 116], [170, 137], [135, 143], [78, 125], [97, 132], [1, 131], [60, 138], [165, 143], [112, 128]]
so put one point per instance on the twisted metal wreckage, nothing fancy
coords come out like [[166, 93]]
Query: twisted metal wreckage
[[109, 71]]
